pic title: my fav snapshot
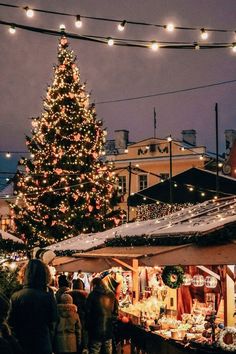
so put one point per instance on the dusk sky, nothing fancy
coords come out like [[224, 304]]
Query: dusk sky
[[26, 66]]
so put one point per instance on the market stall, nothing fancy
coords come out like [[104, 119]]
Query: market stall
[[188, 310]]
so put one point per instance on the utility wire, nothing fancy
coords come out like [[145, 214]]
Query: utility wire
[[165, 93]]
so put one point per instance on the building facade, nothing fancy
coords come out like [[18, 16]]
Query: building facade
[[142, 164]]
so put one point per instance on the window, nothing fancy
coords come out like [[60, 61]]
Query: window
[[164, 176], [142, 181], [122, 184]]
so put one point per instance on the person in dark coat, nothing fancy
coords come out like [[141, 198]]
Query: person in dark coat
[[8, 344], [68, 328], [79, 296], [101, 309], [33, 312], [63, 284]]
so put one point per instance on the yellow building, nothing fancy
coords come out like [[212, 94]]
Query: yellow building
[[142, 164]]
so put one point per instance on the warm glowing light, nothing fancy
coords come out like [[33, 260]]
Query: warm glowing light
[[126, 151], [203, 194], [121, 26], [220, 164], [29, 12], [78, 22], [110, 42], [170, 27], [234, 47], [191, 189], [62, 27], [204, 34], [8, 155], [154, 45], [169, 138], [201, 157], [12, 29], [196, 46]]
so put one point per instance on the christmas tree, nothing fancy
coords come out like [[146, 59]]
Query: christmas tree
[[66, 187]]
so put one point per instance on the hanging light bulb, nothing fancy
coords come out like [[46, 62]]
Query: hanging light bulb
[[110, 41], [198, 280], [8, 155], [78, 22], [196, 46], [12, 29], [170, 27], [204, 34], [210, 282], [62, 27], [29, 12], [187, 279], [234, 47], [154, 45], [121, 26]]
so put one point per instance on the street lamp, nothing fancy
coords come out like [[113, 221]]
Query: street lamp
[[169, 139]]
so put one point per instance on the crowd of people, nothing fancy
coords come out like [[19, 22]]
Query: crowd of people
[[40, 319]]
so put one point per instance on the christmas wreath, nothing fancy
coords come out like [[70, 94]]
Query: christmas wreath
[[172, 276], [221, 343]]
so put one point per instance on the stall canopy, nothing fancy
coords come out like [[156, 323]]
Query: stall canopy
[[6, 236], [202, 234], [200, 180]]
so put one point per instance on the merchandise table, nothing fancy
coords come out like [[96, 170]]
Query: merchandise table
[[147, 342]]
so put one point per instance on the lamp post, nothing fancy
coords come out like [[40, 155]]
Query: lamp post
[[217, 150], [169, 139], [129, 191]]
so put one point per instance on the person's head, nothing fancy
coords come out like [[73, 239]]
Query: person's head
[[62, 281], [4, 307], [96, 283], [36, 275], [78, 284], [66, 299]]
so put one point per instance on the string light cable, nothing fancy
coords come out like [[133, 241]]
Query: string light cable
[[121, 22], [118, 41]]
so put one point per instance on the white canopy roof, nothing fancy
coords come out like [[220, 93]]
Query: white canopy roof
[[201, 218], [6, 236]]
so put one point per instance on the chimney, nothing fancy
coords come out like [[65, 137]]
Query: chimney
[[189, 136], [230, 138], [121, 140]]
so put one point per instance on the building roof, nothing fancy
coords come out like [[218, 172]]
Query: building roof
[[201, 181]]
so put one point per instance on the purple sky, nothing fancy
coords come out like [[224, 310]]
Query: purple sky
[[27, 59]]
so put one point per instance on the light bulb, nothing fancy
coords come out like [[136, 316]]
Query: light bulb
[[62, 27], [234, 48], [8, 155], [12, 29], [196, 46], [170, 27], [110, 41], [154, 45], [78, 22], [204, 34], [169, 138], [29, 12], [121, 26]]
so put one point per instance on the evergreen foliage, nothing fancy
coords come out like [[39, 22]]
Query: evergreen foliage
[[66, 187]]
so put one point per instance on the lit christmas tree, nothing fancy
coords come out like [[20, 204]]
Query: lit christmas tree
[[66, 187]]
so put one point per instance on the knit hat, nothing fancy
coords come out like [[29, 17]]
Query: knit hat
[[4, 307], [66, 299]]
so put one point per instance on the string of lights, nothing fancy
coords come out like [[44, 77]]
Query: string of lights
[[124, 42], [121, 23]]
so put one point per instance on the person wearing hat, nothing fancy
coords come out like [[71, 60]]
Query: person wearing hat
[[8, 344], [68, 328]]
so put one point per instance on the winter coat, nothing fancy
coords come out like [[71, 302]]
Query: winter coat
[[8, 344], [79, 299], [32, 315], [60, 292], [68, 329], [101, 310]]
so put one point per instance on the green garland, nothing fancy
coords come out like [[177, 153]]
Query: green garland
[[172, 276]]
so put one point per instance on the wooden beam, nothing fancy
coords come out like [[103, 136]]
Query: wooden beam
[[126, 265], [230, 273], [135, 277], [209, 271]]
